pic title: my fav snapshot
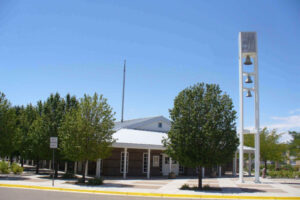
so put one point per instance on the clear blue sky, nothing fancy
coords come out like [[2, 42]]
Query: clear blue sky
[[78, 47]]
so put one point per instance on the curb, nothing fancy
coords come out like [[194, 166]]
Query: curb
[[146, 194]]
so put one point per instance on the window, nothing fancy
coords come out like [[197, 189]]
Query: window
[[181, 169], [145, 162], [159, 125], [122, 162], [167, 160], [155, 162]]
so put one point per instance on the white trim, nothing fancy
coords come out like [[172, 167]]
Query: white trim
[[138, 146]]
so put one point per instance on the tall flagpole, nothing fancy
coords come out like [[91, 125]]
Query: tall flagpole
[[123, 91]]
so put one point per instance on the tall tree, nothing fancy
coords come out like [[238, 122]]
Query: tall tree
[[8, 128], [86, 132], [26, 117], [202, 130], [270, 148], [53, 112]]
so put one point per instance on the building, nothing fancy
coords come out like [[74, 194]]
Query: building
[[139, 147]]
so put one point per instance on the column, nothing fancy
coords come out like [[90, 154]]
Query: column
[[203, 172], [66, 166], [32, 162], [75, 167], [170, 164], [148, 165], [27, 162], [249, 164], [125, 163], [86, 167], [234, 164], [98, 168], [220, 171]]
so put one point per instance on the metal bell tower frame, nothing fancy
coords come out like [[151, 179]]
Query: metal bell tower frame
[[248, 51]]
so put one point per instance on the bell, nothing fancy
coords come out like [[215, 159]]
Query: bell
[[248, 61], [249, 94], [248, 80]]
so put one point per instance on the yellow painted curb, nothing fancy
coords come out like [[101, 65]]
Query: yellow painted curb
[[148, 194]]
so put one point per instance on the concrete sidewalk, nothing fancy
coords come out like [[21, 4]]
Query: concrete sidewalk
[[223, 187]]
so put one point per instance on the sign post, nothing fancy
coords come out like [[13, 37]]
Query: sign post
[[53, 145]]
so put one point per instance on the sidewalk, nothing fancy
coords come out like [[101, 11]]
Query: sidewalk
[[223, 187]]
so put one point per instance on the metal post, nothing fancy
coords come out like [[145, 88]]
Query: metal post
[[170, 164], [234, 164], [220, 171], [123, 91], [53, 169], [75, 168], [203, 172]]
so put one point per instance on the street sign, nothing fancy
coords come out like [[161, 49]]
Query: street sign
[[53, 142]]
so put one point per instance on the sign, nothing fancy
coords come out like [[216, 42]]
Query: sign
[[248, 42], [53, 142]]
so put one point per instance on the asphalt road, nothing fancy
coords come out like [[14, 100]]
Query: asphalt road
[[30, 194]]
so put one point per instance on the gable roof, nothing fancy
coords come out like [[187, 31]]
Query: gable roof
[[137, 123]]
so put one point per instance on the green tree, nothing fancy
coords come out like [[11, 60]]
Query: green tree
[[202, 131], [86, 132], [52, 113], [294, 145], [270, 148], [26, 117], [8, 128]]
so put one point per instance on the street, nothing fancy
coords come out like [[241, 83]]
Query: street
[[29, 194]]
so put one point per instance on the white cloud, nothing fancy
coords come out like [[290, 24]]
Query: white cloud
[[283, 125], [286, 123], [294, 111]]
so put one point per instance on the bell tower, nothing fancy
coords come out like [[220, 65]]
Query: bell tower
[[248, 59]]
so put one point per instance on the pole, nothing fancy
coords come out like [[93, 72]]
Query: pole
[[257, 137], [123, 91], [241, 155], [53, 170]]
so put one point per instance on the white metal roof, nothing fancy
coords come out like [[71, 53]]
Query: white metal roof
[[132, 138], [139, 139]]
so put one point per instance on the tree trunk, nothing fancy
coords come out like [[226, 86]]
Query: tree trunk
[[37, 166], [22, 162], [83, 171], [266, 167], [56, 169], [200, 178], [11, 160]]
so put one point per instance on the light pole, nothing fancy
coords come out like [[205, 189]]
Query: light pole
[[248, 51]]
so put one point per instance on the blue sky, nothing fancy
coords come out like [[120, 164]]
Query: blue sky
[[78, 47]]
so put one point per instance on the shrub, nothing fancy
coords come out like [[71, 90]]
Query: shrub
[[4, 168], [68, 175], [185, 187], [95, 181], [206, 187], [16, 169]]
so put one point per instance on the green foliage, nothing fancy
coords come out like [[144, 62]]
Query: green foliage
[[86, 132], [203, 127], [16, 169], [95, 181], [4, 167], [270, 148], [185, 187], [284, 174], [294, 145], [8, 128], [68, 175]]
